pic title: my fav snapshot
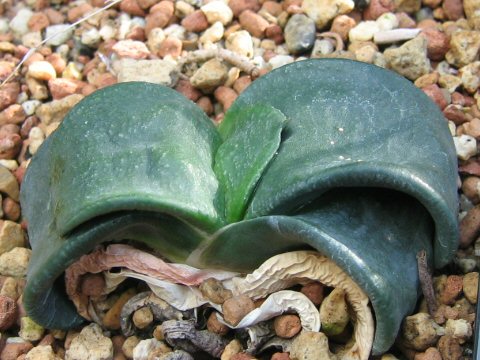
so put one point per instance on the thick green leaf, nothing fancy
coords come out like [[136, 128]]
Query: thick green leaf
[[246, 151], [354, 124]]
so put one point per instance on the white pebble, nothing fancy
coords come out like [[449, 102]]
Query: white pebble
[[322, 47], [387, 21], [241, 43], [4, 26], [452, 127], [30, 106], [391, 36], [107, 32], [364, 31], [42, 70], [280, 60], [32, 39], [9, 164], [19, 23], [91, 37], [125, 26], [459, 329], [217, 11], [213, 34], [58, 34], [176, 31], [466, 146]]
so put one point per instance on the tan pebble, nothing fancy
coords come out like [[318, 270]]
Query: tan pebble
[[427, 79], [470, 286], [205, 104], [195, 22], [185, 88], [12, 351], [464, 48], [272, 7], [430, 354], [213, 290], [111, 320], [30, 330], [41, 352], [90, 344], [310, 345], [287, 326], [449, 82], [142, 317], [313, 291], [443, 313], [6, 68], [38, 21], [232, 348], [77, 12], [158, 333], [378, 7], [215, 326], [436, 94], [37, 88], [131, 49], [210, 75], [453, 9], [280, 356], [54, 111], [464, 308], [438, 43], [253, 23], [235, 308], [449, 348], [233, 75], [12, 288], [343, 24], [14, 114], [92, 284], [8, 94], [15, 262], [128, 346], [472, 128], [460, 329], [242, 356], [452, 289], [11, 209], [470, 227], [454, 113], [8, 312], [419, 331], [225, 96], [170, 46], [131, 7], [238, 6], [405, 21], [42, 70]]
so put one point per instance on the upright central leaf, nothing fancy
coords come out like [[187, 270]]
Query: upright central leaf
[[251, 139]]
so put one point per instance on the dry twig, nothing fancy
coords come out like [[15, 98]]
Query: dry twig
[[426, 282]]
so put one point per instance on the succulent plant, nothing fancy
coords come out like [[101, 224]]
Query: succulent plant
[[338, 156]]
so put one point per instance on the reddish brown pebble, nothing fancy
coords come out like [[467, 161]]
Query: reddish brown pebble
[[438, 43], [436, 94], [8, 94], [57, 62], [238, 6], [170, 46], [449, 348], [314, 291], [88, 89], [213, 290], [342, 25], [185, 88], [274, 32], [430, 354], [13, 350], [443, 313], [195, 22], [376, 8], [235, 308], [38, 22], [287, 326], [14, 114], [10, 146], [452, 289], [8, 312], [61, 87], [137, 33], [205, 104], [11, 209], [471, 188], [55, 17], [47, 340], [242, 356], [225, 96], [455, 114], [92, 284], [280, 356], [242, 83], [27, 125], [453, 9], [105, 79], [154, 20], [253, 23], [405, 21], [470, 227], [131, 7], [79, 11], [216, 326]]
